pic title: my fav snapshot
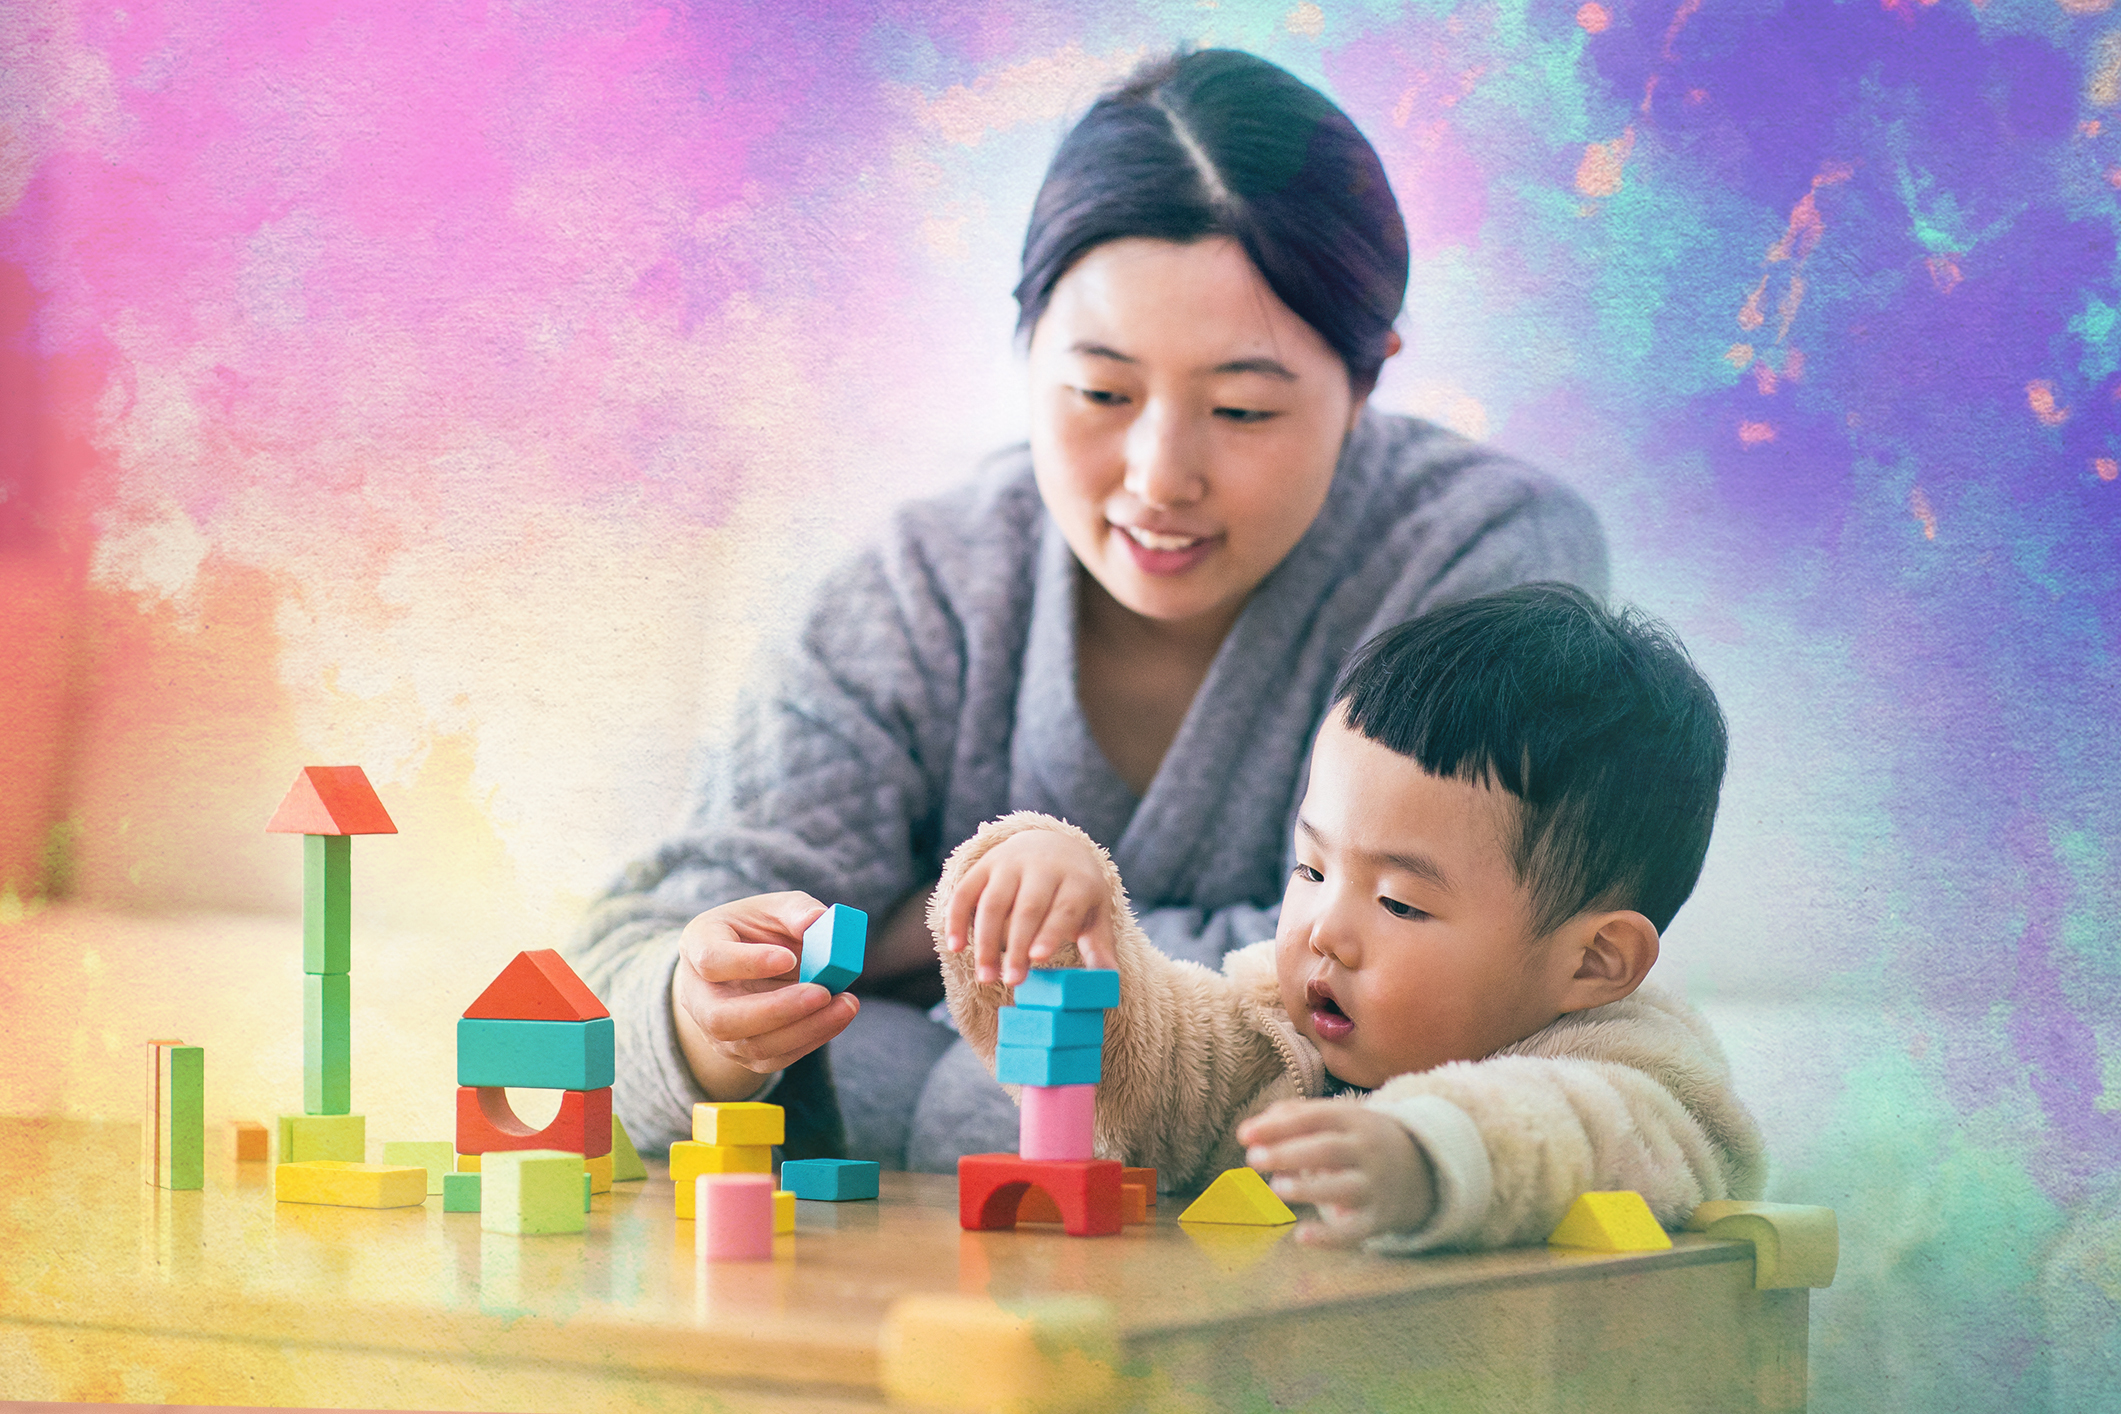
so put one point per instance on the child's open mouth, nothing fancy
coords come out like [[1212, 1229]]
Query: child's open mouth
[[1328, 1021]]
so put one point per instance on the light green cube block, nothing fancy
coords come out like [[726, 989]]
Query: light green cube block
[[525, 1191], [327, 904], [437, 1156], [306, 1137], [460, 1192], [327, 1044]]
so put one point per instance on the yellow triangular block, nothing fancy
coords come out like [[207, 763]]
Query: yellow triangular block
[[625, 1159], [1610, 1222], [1239, 1196]]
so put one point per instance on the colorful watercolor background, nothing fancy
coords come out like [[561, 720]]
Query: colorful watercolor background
[[469, 391]]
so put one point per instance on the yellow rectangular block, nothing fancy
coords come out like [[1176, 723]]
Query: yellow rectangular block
[[689, 1159], [467, 1163], [741, 1124], [599, 1173], [349, 1185], [783, 1211]]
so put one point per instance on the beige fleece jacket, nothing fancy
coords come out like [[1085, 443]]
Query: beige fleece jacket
[[1635, 1094]]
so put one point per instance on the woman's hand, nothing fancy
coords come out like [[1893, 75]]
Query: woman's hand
[[1025, 900], [741, 1014], [1360, 1169]]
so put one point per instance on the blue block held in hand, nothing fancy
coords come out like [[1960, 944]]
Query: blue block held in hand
[[833, 947]]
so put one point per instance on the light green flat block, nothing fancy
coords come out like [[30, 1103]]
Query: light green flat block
[[460, 1192], [327, 1044], [437, 1156], [526, 1191], [625, 1159], [327, 904], [306, 1137], [182, 1162]]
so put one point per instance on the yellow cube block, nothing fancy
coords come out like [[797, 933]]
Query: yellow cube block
[[744, 1124], [467, 1163], [350, 1185], [599, 1173], [689, 1159], [783, 1211]]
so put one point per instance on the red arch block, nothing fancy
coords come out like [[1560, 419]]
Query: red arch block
[[486, 1124], [989, 1187]]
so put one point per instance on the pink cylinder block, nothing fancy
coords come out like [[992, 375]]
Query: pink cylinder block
[[733, 1217], [1056, 1122]]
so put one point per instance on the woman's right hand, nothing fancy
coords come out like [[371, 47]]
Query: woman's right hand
[[740, 1011]]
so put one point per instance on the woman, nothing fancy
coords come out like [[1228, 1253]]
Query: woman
[[1133, 623]]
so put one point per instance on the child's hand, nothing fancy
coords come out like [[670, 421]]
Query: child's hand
[[740, 1012], [1360, 1169], [1026, 899]]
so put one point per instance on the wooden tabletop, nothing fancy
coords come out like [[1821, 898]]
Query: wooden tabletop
[[224, 1296]]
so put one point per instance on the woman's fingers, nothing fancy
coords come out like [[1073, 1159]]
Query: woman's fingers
[[780, 1047], [740, 1013]]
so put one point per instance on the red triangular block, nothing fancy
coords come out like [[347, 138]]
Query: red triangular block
[[331, 800], [537, 986]]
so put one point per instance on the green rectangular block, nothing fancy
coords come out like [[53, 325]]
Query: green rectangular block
[[437, 1156], [460, 1192], [528, 1191], [181, 1123], [327, 904], [327, 1044], [340, 1137], [588, 1187]]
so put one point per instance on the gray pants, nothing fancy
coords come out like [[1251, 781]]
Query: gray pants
[[913, 1095]]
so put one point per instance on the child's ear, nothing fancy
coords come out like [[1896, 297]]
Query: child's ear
[[1614, 952]]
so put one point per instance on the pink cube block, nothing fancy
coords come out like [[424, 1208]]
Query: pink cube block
[[733, 1217], [1056, 1121]]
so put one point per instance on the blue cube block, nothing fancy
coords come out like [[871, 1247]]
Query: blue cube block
[[537, 1055], [833, 947], [830, 1180], [1042, 1065], [1069, 988], [1038, 1026]]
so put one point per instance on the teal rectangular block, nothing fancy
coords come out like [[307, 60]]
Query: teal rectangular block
[[831, 1180], [536, 1055], [1040, 1065], [327, 904], [327, 1044], [183, 1119], [460, 1192], [1038, 1026], [1069, 988], [833, 948]]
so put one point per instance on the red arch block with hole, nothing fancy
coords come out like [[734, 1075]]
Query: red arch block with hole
[[989, 1187], [486, 1124]]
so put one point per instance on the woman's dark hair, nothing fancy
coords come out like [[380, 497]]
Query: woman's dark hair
[[1221, 143], [1596, 721]]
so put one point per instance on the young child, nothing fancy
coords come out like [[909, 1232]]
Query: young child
[[1450, 1036]]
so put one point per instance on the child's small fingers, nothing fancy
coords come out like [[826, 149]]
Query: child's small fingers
[[1034, 904], [1336, 1188], [1288, 1119], [990, 924], [1304, 1152], [957, 921]]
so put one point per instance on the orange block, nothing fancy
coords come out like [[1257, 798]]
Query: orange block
[[1146, 1178], [537, 986], [1037, 1206], [248, 1140], [331, 800]]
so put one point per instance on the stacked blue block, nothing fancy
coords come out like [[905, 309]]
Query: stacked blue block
[[1055, 1034]]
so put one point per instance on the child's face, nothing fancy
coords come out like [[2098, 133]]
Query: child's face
[[1405, 937]]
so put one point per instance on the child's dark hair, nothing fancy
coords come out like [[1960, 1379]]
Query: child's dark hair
[[1597, 721], [1223, 143]]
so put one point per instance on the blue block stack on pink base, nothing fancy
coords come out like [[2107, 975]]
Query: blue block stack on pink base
[[1052, 1044]]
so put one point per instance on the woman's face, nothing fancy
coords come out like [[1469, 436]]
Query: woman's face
[[1184, 424]]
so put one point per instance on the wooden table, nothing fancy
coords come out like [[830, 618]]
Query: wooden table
[[113, 1291]]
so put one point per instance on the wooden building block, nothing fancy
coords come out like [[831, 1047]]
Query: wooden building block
[[599, 1170], [735, 1217], [327, 1043], [1046, 1355], [460, 1192], [327, 903], [1069, 989], [589, 1189], [1146, 1178], [346, 1185], [626, 1162], [745, 1122], [831, 1180], [437, 1156], [1037, 1207], [1042, 1026], [833, 948], [467, 1163], [173, 1135], [527, 1191], [537, 986], [1056, 1121], [689, 1159], [991, 1186], [485, 1123], [1239, 1196], [1039, 1065], [331, 800], [339, 1138], [535, 1055], [249, 1141], [783, 1211], [1794, 1244], [1610, 1222]]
